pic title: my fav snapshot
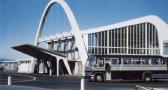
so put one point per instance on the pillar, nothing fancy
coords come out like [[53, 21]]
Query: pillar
[[76, 68], [57, 66]]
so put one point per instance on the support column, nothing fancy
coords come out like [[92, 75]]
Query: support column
[[37, 63], [76, 71], [50, 72], [57, 66], [43, 65], [50, 68]]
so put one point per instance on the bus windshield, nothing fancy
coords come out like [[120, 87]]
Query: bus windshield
[[90, 62]]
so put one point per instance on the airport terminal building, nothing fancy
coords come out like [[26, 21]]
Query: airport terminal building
[[128, 46]]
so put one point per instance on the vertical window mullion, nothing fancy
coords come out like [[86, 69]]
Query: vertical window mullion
[[117, 40], [133, 39], [98, 43], [114, 38], [139, 36], [104, 41], [88, 40], [149, 39], [112, 41], [93, 43], [154, 39], [130, 39], [108, 41], [136, 38], [143, 36], [127, 31], [120, 40], [151, 28], [146, 42], [91, 40]]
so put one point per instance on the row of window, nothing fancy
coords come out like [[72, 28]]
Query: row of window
[[134, 39], [60, 45], [10, 62], [21, 62], [100, 62], [64, 47]]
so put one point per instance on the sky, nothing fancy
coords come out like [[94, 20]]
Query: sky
[[19, 19]]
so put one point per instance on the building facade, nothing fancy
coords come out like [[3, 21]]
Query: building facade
[[11, 66], [68, 52], [141, 37], [24, 65]]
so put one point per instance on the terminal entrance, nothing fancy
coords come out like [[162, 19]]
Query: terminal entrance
[[49, 62]]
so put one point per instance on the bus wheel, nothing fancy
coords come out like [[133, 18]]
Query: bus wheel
[[147, 78], [92, 79], [99, 78]]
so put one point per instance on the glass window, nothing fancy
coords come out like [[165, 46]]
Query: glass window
[[114, 61], [127, 60], [136, 61], [101, 62], [154, 61], [165, 49], [119, 60], [90, 62], [163, 61], [105, 38], [110, 38], [145, 61], [100, 39]]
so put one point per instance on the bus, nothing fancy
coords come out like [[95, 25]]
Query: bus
[[126, 67]]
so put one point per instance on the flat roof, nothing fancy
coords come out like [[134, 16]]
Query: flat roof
[[35, 51]]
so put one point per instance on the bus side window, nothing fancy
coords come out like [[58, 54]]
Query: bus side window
[[126, 60], [163, 61], [154, 61], [145, 61], [136, 61], [119, 61], [95, 63], [101, 62], [114, 61]]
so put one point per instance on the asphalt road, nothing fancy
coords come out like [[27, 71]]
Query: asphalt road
[[73, 83]]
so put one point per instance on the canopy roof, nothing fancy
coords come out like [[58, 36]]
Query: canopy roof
[[37, 52]]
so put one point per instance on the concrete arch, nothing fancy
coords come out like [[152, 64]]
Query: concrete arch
[[73, 23]]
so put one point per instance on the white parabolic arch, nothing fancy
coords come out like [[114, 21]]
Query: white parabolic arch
[[74, 26]]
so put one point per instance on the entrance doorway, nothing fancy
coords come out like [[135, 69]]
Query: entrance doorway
[[108, 69]]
